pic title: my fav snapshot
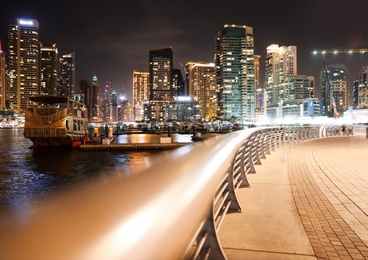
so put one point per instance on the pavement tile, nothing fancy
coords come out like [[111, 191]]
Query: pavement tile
[[322, 203]]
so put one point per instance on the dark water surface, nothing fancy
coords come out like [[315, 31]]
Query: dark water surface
[[27, 176]]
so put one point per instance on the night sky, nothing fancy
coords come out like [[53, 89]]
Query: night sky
[[111, 38]]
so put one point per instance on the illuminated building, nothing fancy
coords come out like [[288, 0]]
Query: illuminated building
[[339, 78], [281, 62], [140, 93], [67, 75], [23, 63], [259, 90], [49, 70], [183, 109], [234, 61], [161, 74], [3, 80], [362, 93], [106, 103], [179, 88], [93, 100], [201, 79], [160, 83]]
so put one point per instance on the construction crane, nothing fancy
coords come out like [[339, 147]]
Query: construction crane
[[337, 51]]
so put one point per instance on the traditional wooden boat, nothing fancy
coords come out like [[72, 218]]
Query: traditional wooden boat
[[52, 121]]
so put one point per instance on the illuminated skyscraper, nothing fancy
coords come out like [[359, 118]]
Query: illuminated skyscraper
[[3, 85], [161, 74], [49, 70], [67, 75], [140, 93], [178, 84], [160, 83], [23, 62], [361, 96], [281, 62], [234, 61], [201, 79], [338, 90], [93, 100], [260, 90]]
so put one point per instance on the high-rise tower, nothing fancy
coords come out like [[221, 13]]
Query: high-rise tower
[[161, 74], [281, 63], [140, 93], [23, 62], [234, 60], [67, 75], [49, 70], [201, 79], [362, 89], [3, 85], [335, 89]]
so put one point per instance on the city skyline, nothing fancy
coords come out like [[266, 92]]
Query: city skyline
[[113, 39]]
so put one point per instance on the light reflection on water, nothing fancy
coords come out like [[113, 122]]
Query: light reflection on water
[[27, 175]]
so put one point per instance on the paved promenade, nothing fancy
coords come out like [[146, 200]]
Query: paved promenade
[[306, 201]]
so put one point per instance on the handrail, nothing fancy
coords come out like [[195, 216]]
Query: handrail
[[171, 210]]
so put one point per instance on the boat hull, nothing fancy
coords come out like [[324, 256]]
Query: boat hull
[[52, 137]]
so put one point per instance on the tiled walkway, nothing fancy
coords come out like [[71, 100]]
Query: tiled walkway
[[306, 201]]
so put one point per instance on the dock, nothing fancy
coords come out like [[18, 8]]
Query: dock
[[133, 146]]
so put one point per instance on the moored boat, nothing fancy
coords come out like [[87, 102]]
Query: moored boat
[[52, 121]]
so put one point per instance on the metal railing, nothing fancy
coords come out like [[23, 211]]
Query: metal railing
[[171, 210]]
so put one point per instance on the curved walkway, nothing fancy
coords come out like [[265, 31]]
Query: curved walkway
[[306, 201]]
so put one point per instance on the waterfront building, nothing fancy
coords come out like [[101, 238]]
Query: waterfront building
[[160, 82], [259, 111], [67, 75], [125, 110], [106, 103], [312, 107], [114, 106], [49, 70], [91, 92], [362, 93], [23, 62], [234, 61], [281, 62], [3, 80], [335, 90], [356, 94], [201, 79], [296, 87], [179, 87], [161, 74], [155, 110], [140, 93], [183, 109]]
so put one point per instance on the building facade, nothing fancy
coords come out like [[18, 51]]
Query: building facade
[[201, 80], [3, 80], [161, 74], [335, 87], [140, 93], [23, 62], [234, 61], [49, 70], [281, 62], [93, 100], [161, 90], [67, 75], [362, 93]]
